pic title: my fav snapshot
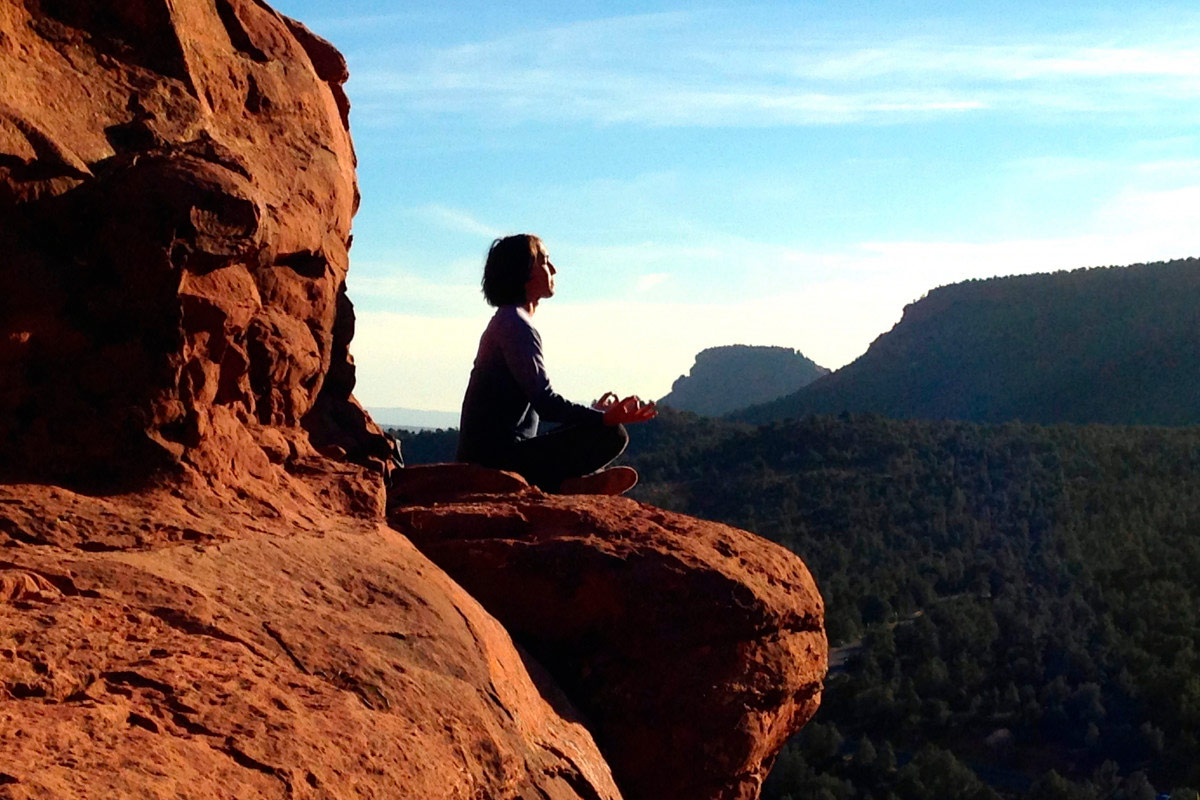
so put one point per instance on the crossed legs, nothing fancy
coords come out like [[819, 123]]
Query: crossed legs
[[569, 452]]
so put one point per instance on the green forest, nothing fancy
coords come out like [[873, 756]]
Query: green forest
[[1013, 608]]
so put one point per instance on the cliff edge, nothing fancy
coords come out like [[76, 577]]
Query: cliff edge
[[200, 593]]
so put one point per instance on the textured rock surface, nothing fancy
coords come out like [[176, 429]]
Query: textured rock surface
[[695, 649], [433, 483], [155, 646], [176, 187]]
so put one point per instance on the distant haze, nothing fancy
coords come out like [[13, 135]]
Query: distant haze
[[413, 418]]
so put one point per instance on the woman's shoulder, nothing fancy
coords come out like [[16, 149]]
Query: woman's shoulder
[[511, 317], [511, 324]]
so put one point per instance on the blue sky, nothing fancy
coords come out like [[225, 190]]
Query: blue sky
[[788, 174]]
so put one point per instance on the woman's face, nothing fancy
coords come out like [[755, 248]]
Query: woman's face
[[541, 279]]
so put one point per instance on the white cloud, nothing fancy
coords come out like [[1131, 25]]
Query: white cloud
[[650, 280], [456, 220], [1169, 213], [1171, 167], [363, 22], [717, 69], [1011, 62]]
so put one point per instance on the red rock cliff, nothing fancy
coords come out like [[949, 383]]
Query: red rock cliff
[[200, 595], [177, 185]]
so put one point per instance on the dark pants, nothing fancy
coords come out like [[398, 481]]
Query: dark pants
[[568, 452]]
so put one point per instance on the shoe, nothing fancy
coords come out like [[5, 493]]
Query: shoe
[[614, 480]]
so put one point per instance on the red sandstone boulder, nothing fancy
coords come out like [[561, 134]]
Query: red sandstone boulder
[[436, 483], [153, 646], [694, 648], [176, 191]]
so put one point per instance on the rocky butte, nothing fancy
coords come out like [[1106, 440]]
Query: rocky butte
[[205, 589]]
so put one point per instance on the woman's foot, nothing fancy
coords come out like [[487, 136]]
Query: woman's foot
[[614, 480]]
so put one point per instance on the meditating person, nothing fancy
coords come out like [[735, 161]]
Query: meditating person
[[509, 393]]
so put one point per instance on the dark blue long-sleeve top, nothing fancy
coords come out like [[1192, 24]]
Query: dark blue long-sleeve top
[[509, 392]]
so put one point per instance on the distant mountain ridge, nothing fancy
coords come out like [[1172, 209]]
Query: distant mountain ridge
[[413, 418], [1118, 345], [731, 377]]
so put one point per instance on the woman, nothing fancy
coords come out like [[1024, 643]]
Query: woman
[[509, 392]]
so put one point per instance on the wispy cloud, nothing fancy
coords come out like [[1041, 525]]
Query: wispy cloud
[[352, 22], [1013, 62], [456, 220], [650, 280], [714, 69], [1164, 213], [1171, 167]]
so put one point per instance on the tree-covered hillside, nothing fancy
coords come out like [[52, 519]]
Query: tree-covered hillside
[[724, 379], [1015, 607], [1118, 345], [438, 446]]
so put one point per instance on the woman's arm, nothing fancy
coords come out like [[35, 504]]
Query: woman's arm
[[522, 348]]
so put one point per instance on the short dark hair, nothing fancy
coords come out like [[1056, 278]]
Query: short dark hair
[[508, 268]]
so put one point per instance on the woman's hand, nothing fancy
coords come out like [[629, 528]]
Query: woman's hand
[[606, 401], [627, 411]]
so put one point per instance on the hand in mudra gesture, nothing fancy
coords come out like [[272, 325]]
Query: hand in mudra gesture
[[631, 409]]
